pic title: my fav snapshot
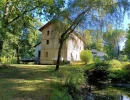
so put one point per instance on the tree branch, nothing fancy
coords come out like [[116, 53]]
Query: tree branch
[[22, 14], [75, 23]]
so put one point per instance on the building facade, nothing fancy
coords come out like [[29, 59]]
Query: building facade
[[50, 44]]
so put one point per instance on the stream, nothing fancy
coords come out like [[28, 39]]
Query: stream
[[110, 93]]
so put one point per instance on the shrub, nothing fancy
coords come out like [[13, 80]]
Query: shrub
[[123, 57], [74, 81], [60, 94], [12, 60], [118, 76], [3, 60], [127, 67], [99, 74], [115, 63], [86, 56], [121, 76], [97, 60]]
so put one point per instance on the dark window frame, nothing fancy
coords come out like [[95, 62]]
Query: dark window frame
[[47, 41], [48, 32]]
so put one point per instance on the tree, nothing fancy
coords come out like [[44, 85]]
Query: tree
[[21, 45], [99, 44], [86, 56], [88, 41], [15, 12], [127, 43], [112, 38], [79, 12], [97, 41]]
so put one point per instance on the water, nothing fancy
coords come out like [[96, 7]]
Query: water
[[110, 94], [110, 97]]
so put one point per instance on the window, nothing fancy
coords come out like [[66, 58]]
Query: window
[[46, 54], [39, 53], [48, 32], [47, 41]]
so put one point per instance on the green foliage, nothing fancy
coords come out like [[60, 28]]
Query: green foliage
[[74, 81], [4, 60], [112, 39], [19, 17], [99, 44], [127, 43], [118, 76], [121, 75], [123, 57], [88, 40], [96, 60], [60, 94], [97, 41], [76, 78], [86, 56], [115, 64], [99, 74]]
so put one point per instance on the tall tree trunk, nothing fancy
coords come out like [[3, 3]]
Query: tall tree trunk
[[1, 47], [4, 25], [17, 53], [59, 55]]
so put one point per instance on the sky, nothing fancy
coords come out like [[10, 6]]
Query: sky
[[126, 21], [125, 25]]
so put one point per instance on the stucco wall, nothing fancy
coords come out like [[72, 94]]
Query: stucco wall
[[52, 47], [37, 49], [75, 46], [70, 50]]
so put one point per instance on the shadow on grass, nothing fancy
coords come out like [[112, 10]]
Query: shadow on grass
[[26, 73], [26, 83], [35, 82]]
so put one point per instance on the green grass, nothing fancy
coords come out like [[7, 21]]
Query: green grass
[[35, 82]]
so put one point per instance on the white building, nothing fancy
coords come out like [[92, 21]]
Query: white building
[[98, 54], [49, 46]]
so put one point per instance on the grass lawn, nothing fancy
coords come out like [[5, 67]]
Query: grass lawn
[[33, 82]]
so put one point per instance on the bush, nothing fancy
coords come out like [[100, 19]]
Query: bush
[[13, 60], [127, 67], [121, 76], [115, 63], [74, 81], [5, 60], [123, 57], [118, 76], [97, 60], [99, 74], [86, 56], [60, 95]]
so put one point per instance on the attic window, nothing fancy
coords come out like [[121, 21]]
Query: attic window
[[48, 32]]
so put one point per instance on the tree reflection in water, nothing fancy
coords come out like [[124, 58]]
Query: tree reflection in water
[[109, 97]]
